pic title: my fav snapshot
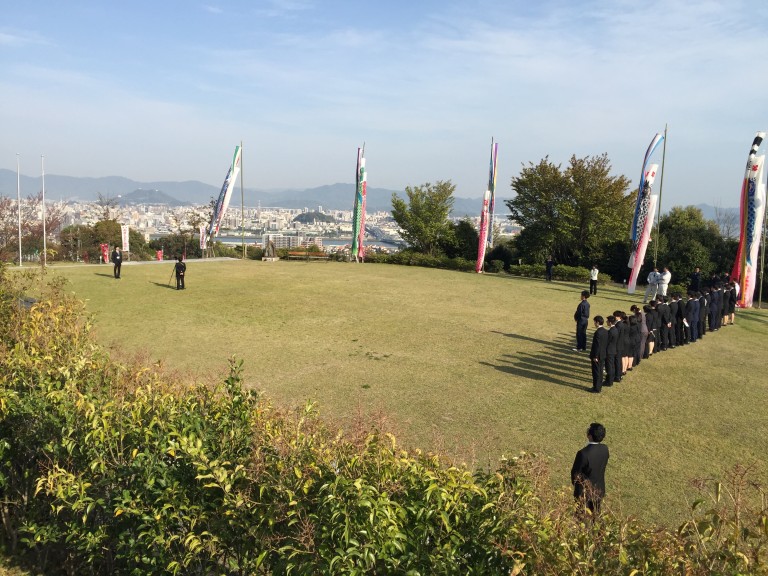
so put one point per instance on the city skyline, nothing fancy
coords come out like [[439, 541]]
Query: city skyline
[[164, 91]]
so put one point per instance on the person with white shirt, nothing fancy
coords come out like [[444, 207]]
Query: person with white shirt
[[666, 276], [653, 285], [593, 279]]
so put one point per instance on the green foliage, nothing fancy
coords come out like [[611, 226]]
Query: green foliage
[[688, 240], [559, 272], [423, 219], [108, 468], [570, 214], [173, 245], [310, 217], [82, 242], [411, 258], [462, 242], [504, 251]]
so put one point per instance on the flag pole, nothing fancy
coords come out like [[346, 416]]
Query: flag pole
[[18, 201], [42, 171], [661, 187], [762, 260], [242, 199]]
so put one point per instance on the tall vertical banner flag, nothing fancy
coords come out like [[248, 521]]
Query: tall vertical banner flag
[[124, 228], [485, 235], [358, 212], [224, 196], [203, 243], [750, 228], [645, 211]]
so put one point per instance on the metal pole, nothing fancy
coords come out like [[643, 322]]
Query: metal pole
[[18, 201], [661, 186], [242, 199], [42, 170], [762, 261]]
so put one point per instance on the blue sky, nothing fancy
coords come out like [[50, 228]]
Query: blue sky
[[164, 90]]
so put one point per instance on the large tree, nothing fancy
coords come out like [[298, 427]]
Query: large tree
[[423, 219], [571, 214], [688, 240]]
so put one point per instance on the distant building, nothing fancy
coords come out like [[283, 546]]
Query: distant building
[[289, 242]]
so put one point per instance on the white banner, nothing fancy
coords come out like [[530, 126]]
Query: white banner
[[203, 243], [124, 229]]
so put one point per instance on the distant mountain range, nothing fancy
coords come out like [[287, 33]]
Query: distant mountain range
[[330, 197]]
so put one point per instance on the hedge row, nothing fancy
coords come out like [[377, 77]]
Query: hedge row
[[107, 468]]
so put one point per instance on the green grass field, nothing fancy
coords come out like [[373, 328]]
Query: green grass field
[[476, 366]]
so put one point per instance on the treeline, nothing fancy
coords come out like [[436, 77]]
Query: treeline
[[114, 468], [579, 214]]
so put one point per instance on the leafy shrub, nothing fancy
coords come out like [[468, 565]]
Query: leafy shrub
[[108, 468], [560, 272]]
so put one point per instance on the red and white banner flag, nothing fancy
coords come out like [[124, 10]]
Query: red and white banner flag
[[124, 230]]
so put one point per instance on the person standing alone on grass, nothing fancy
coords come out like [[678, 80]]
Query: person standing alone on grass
[[181, 270], [117, 260], [550, 265], [581, 316], [593, 279], [588, 470]]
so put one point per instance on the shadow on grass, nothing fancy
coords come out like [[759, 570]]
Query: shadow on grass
[[555, 363], [161, 285], [751, 318], [104, 275]]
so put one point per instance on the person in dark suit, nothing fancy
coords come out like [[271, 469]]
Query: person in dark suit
[[598, 353], [715, 310], [665, 324], [695, 283], [703, 311], [181, 271], [692, 318], [117, 260], [725, 305], [678, 320], [581, 316], [588, 470], [674, 304], [611, 350], [550, 264]]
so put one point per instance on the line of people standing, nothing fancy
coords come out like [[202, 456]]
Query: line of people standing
[[621, 341]]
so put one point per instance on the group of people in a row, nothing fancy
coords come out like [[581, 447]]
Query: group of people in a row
[[622, 340]]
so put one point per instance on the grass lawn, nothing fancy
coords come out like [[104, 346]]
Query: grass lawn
[[476, 366]]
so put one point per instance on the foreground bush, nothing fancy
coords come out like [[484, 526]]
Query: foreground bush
[[108, 468]]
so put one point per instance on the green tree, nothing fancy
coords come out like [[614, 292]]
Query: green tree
[[688, 240], [571, 214], [423, 219], [463, 241]]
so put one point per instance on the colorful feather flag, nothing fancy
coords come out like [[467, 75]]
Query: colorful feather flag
[[485, 235], [358, 213], [222, 202], [645, 211], [751, 221]]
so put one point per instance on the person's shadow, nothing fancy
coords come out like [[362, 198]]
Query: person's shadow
[[104, 275], [554, 363], [161, 285]]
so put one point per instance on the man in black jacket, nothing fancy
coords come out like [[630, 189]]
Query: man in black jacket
[[588, 470], [611, 351], [117, 260], [581, 316], [598, 353], [181, 271]]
